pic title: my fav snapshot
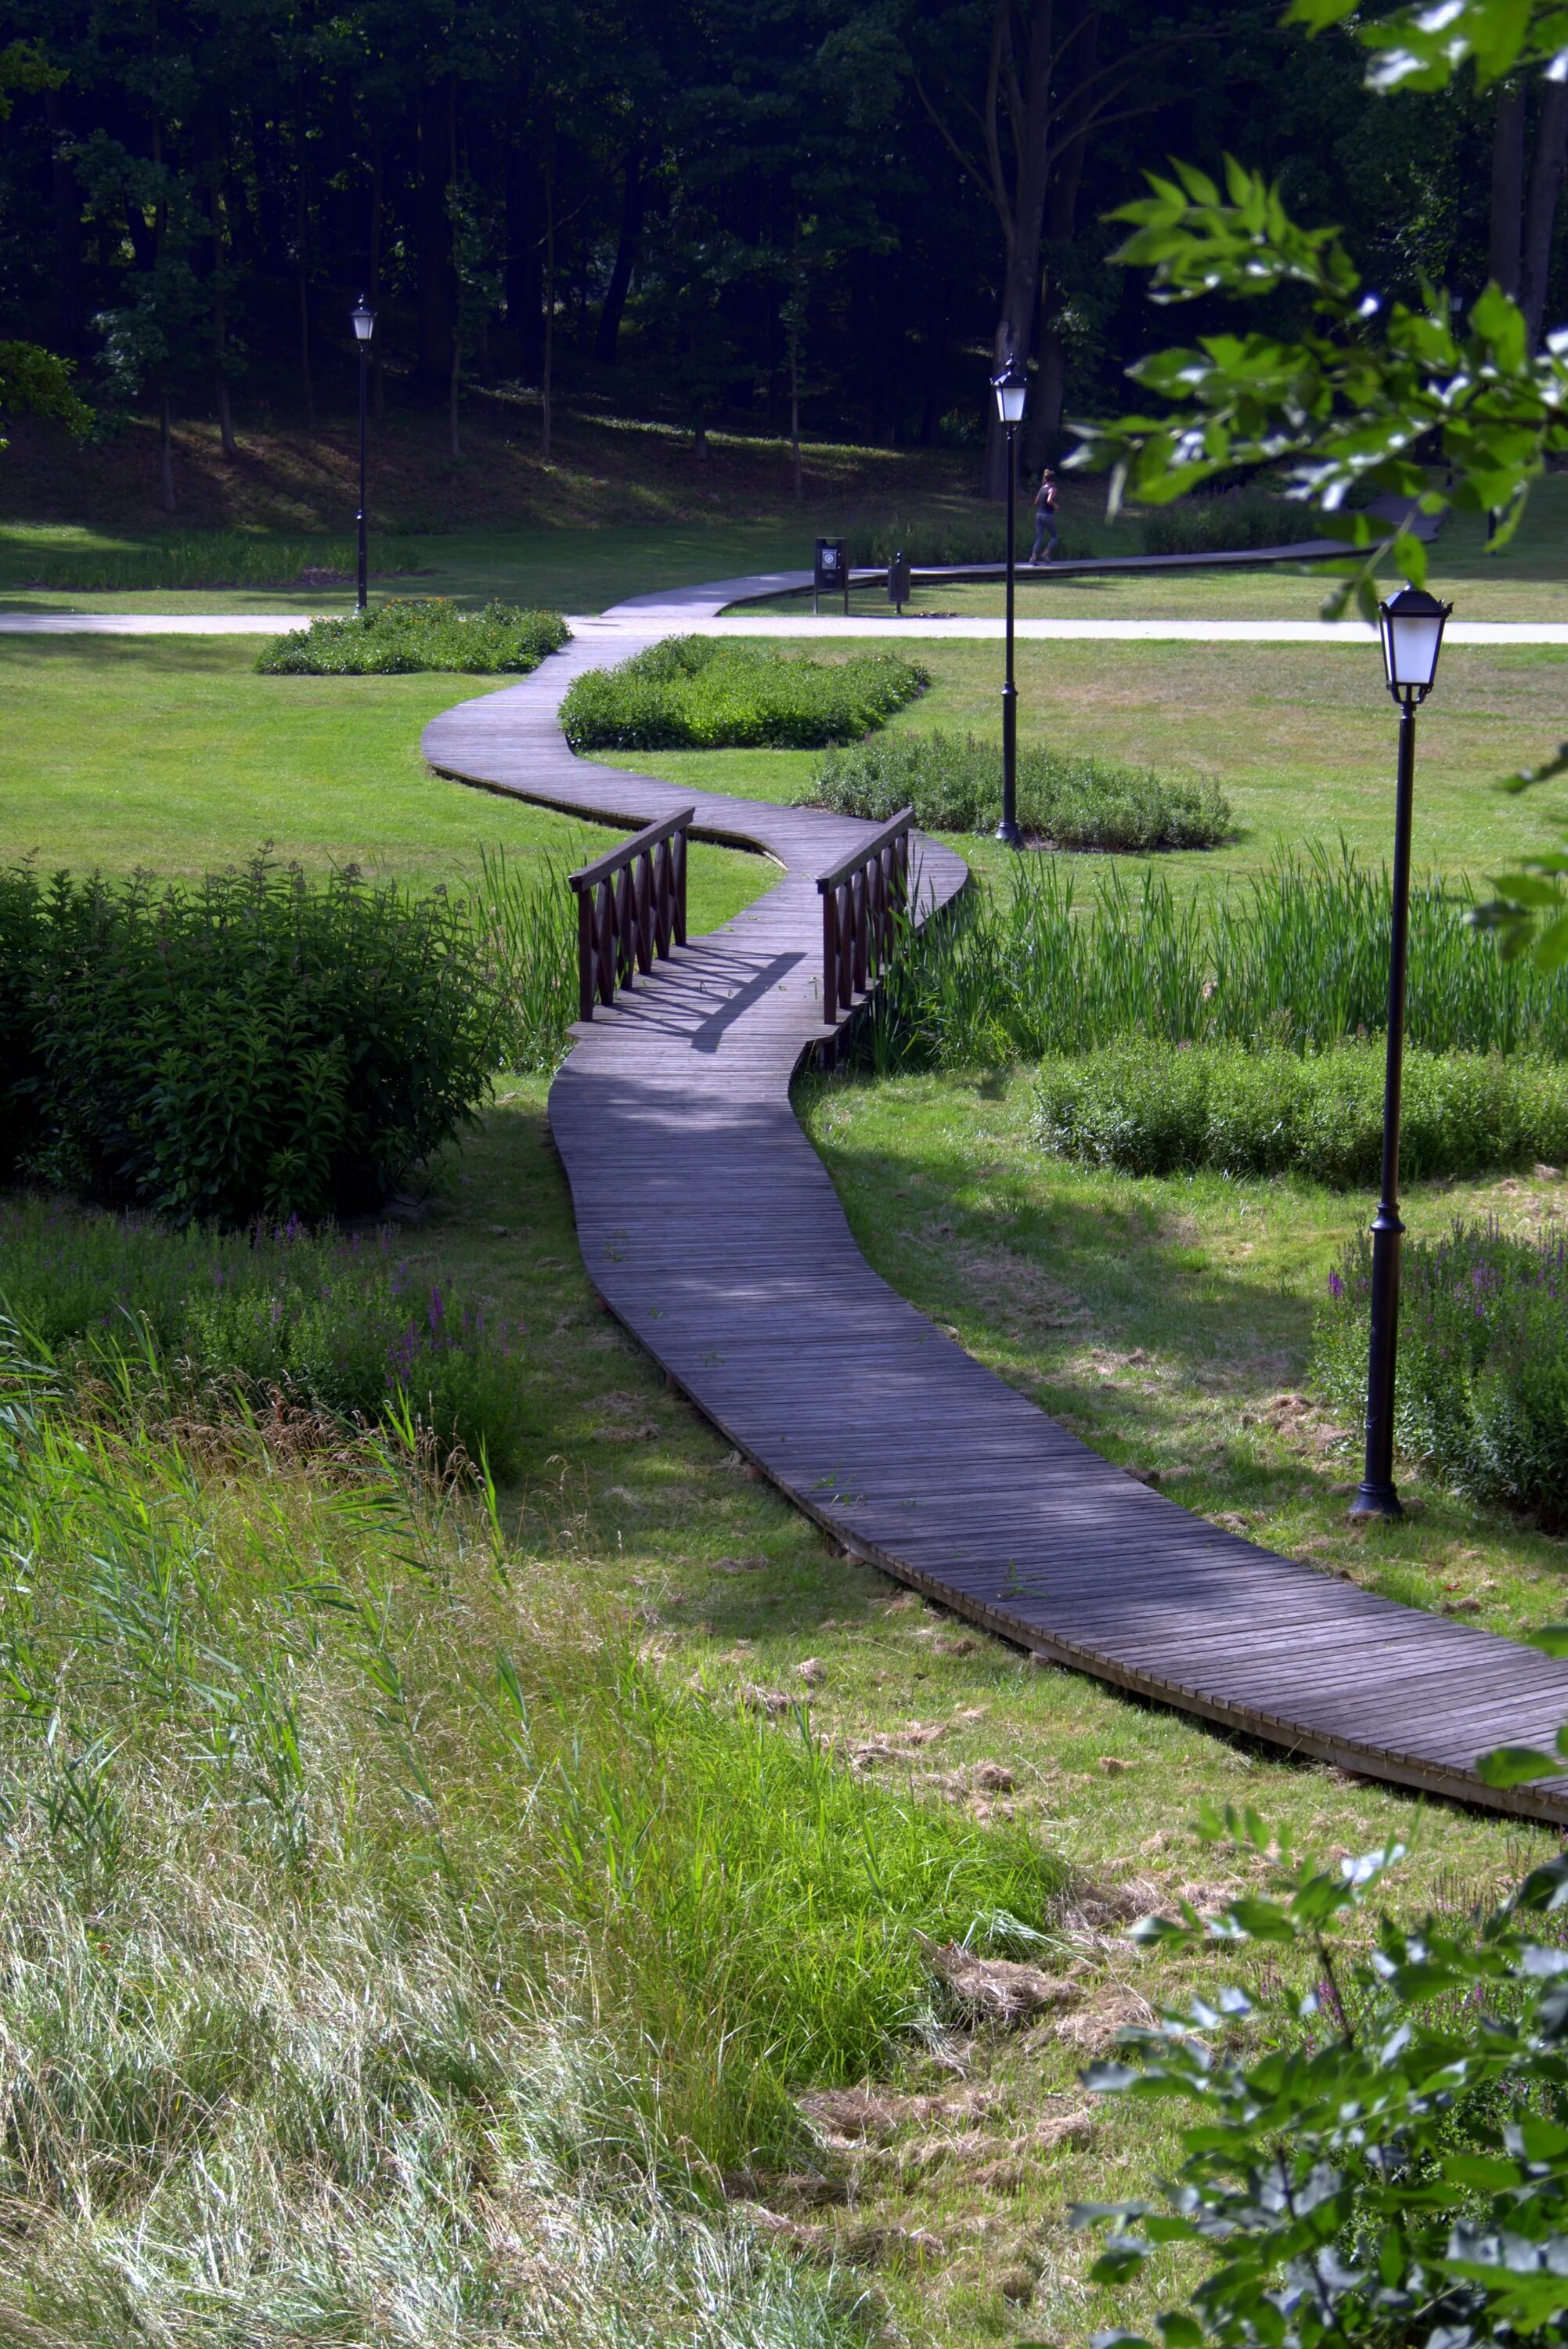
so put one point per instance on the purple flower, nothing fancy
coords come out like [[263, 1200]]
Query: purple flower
[[1336, 1286]]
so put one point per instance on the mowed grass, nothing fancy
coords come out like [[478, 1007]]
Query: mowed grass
[[172, 754], [1300, 738]]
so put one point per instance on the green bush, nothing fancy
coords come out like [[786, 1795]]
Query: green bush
[[334, 1324], [934, 539], [200, 558], [1160, 1109], [1482, 1383], [700, 693], [1235, 520], [254, 1045], [1296, 956], [1376, 2150], [1067, 798], [395, 639]]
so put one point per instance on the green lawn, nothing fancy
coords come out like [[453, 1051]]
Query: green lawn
[[1301, 739], [173, 754]]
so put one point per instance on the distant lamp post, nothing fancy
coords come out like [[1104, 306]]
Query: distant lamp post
[[363, 318], [1412, 623], [1012, 390]]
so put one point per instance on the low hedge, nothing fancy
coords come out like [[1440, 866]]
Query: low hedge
[[254, 1044], [700, 693], [1230, 522], [1157, 1108], [1066, 799], [420, 633], [1482, 1384]]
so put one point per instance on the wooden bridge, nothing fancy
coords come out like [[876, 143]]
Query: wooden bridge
[[709, 1226]]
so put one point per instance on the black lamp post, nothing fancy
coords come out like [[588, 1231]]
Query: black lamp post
[[363, 318], [1011, 388], [1412, 624]]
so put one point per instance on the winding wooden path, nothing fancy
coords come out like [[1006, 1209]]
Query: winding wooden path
[[709, 1226]]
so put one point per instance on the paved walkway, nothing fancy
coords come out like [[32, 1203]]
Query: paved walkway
[[708, 1224]]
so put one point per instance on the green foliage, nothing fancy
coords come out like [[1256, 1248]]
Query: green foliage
[[702, 693], [35, 382], [762, 1912], [1298, 957], [1415, 49], [526, 927], [251, 1046], [1068, 799], [335, 1325], [1238, 518], [934, 539], [1482, 1389], [1377, 2143], [420, 633], [1160, 1109]]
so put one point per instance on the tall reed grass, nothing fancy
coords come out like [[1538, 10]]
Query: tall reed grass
[[1296, 956], [384, 1953]]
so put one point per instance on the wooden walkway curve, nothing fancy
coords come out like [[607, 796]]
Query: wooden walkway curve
[[709, 1226]]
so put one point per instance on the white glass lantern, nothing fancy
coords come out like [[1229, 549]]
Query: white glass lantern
[[1412, 624], [363, 318], [1012, 389]]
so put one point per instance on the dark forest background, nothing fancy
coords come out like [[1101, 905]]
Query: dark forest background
[[760, 212]]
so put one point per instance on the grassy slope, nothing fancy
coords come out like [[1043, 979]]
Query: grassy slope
[[174, 754]]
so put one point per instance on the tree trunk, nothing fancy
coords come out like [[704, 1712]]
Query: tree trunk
[[433, 232], [1506, 187], [372, 291], [524, 282], [1042, 433], [453, 388], [547, 366], [68, 210], [1024, 227], [1540, 216], [609, 334], [301, 266], [219, 333], [165, 451]]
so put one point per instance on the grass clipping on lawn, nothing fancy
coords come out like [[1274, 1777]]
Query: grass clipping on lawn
[[428, 632], [699, 693]]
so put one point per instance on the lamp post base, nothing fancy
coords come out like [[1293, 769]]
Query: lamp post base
[[1375, 1500], [1010, 835]]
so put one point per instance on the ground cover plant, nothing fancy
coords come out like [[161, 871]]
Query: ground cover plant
[[1065, 801], [138, 1317], [1261, 1109], [430, 632], [255, 1046], [1229, 519], [1296, 956], [1482, 1392], [704, 693]]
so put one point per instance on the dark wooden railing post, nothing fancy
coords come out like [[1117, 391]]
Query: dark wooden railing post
[[863, 898], [631, 908]]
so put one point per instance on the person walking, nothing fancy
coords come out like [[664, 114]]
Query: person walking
[[1045, 517]]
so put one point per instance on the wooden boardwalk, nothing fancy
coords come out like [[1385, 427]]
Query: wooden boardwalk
[[708, 1224]]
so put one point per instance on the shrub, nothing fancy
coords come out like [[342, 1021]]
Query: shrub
[[1067, 798], [1482, 1382], [255, 1045], [1298, 955], [1232, 521], [395, 639], [339, 1325], [1157, 1108], [934, 539], [701, 693], [201, 558], [1377, 2150]]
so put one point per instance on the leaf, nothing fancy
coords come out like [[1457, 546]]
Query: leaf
[[1552, 1637], [1516, 1766]]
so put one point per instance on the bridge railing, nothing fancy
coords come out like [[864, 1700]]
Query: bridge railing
[[863, 898], [631, 908]]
